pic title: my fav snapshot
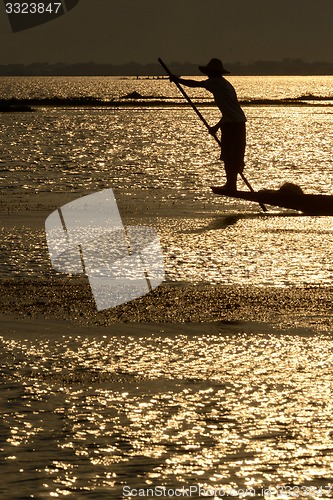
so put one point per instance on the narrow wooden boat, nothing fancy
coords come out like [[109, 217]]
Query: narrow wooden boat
[[309, 204]]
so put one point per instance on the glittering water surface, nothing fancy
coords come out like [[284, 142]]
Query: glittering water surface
[[87, 412], [275, 250], [57, 150], [244, 250], [87, 415], [165, 155]]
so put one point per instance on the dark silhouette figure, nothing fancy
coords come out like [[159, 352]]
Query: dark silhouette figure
[[232, 122]]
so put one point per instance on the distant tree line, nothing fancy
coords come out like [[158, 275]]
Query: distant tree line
[[285, 67]]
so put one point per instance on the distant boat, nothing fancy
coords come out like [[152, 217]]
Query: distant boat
[[285, 197]]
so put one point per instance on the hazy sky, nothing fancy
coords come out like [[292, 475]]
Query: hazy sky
[[119, 31]]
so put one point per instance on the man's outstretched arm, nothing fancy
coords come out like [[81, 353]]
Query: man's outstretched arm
[[186, 82]]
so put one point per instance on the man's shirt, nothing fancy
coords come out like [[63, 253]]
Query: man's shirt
[[225, 99]]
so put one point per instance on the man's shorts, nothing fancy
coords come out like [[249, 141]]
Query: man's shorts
[[233, 144]]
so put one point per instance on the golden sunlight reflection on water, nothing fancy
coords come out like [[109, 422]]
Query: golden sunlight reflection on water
[[249, 250], [166, 156], [227, 248], [87, 413], [146, 149], [175, 409]]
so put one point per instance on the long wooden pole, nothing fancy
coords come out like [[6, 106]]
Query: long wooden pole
[[204, 121]]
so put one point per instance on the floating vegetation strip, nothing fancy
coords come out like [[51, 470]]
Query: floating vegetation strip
[[137, 100]]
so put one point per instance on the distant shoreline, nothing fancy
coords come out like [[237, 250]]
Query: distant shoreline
[[287, 67]]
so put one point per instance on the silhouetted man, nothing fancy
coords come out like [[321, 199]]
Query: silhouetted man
[[232, 122]]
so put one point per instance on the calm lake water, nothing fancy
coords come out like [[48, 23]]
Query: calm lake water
[[122, 411], [164, 154], [101, 413]]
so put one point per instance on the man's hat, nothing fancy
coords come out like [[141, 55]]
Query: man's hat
[[214, 66]]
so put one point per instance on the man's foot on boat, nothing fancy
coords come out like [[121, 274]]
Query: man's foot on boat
[[226, 189]]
